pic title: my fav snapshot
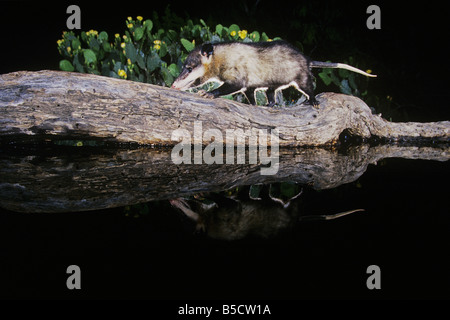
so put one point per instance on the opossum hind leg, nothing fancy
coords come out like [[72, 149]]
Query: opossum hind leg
[[307, 88]]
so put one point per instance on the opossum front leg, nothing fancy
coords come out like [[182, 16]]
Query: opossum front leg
[[250, 94], [226, 88]]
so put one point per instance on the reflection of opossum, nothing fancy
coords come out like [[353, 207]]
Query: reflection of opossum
[[246, 67], [231, 219]]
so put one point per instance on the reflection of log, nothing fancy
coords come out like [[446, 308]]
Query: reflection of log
[[65, 104], [75, 182]]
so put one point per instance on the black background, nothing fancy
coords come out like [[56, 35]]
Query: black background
[[404, 231]]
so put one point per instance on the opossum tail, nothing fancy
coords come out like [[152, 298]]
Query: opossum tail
[[320, 64]]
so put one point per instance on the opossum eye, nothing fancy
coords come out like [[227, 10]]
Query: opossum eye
[[189, 69]]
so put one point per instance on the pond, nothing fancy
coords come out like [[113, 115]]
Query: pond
[[139, 226]]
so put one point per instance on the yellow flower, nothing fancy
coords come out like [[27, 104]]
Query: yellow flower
[[233, 33], [122, 45], [117, 35], [268, 40], [122, 73], [139, 18], [69, 49], [129, 61], [130, 18], [92, 32], [130, 25], [59, 42], [157, 45], [369, 71], [79, 144], [242, 34], [124, 37]]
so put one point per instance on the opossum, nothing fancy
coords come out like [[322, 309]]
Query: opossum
[[245, 67]]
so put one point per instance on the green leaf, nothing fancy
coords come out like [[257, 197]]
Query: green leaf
[[215, 38], [219, 29], [345, 88], [254, 36], [77, 64], [130, 52], [89, 56], [174, 70], [168, 78], [148, 24], [153, 61], [264, 37], [171, 35], [103, 36], [196, 31], [76, 44], [260, 98], [140, 62], [65, 65], [233, 27], [325, 76], [189, 46], [352, 82], [105, 69], [335, 78], [163, 50], [118, 66], [138, 33], [94, 44], [106, 46], [203, 23], [343, 73]]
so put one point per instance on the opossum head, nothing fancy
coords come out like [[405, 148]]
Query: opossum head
[[194, 68]]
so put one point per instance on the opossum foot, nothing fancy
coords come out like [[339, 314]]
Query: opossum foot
[[205, 94], [313, 102]]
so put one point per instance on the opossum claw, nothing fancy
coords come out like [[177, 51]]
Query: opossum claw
[[205, 94]]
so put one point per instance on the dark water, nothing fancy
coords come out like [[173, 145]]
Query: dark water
[[405, 230]]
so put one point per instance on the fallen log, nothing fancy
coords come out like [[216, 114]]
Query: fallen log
[[58, 104]]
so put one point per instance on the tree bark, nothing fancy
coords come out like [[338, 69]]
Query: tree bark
[[56, 181], [57, 104]]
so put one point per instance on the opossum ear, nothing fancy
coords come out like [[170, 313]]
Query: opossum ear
[[207, 50]]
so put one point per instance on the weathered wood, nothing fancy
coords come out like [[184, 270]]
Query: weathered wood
[[55, 181], [62, 104]]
